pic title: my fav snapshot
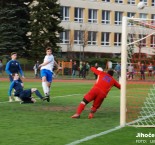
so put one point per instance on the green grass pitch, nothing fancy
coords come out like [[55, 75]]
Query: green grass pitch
[[46, 123]]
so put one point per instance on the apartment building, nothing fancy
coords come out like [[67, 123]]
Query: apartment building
[[93, 27]]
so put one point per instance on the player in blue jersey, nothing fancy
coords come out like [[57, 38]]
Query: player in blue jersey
[[47, 71], [24, 95], [13, 66]]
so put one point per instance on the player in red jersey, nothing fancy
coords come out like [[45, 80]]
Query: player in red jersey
[[98, 93]]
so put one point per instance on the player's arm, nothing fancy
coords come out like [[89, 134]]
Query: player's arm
[[117, 85], [94, 70], [46, 62], [10, 88], [7, 68], [56, 64]]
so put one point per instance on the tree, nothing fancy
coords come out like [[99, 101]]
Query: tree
[[14, 18], [45, 29], [84, 41]]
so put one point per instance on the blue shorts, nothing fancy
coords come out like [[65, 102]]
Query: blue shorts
[[47, 73], [25, 95]]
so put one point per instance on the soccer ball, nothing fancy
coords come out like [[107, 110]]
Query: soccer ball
[[100, 69], [141, 5]]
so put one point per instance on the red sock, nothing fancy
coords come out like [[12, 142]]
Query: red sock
[[93, 110], [80, 108]]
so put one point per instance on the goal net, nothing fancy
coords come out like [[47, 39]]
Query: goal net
[[138, 72]]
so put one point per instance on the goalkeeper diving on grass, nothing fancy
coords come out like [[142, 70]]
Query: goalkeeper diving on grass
[[24, 95], [98, 93]]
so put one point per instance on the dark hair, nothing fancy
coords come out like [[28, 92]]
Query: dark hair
[[14, 74], [13, 53], [110, 72], [48, 48]]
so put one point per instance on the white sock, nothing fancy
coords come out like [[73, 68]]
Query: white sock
[[48, 90], [45, 87]]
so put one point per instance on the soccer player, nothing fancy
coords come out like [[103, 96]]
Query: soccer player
[[47, 72], [98, 93], [24, 95], [13, 66]]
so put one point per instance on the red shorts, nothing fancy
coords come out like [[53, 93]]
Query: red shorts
[[97, 95]]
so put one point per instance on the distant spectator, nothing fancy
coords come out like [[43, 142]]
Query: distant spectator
[[74, 69], [1, 67], [109, 65], [150, 70], [84, 70], [80, 69], [87, 68], [96, 66], [130, 71], [118, 70], [142, 71], [154, 70], [36, 69]]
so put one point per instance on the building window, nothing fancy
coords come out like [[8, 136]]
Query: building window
[[153, 2], [106, 0], [118, 18], [131, 37], [143, 16], [143, 41], [130, 15], [64, 37], [78, 37], [78, 15], [119, 1], [117, 39], [92, 16], [153, 19], [92, 38], [65, 13], [105, 41], [105, 17], [131, 2], [145, 1], [153, 41]]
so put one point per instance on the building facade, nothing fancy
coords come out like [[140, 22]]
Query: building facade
[[93, 27]]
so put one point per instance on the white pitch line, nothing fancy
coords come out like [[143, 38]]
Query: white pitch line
[[94, 136], [66, 96], [5, 102], [51, 98]]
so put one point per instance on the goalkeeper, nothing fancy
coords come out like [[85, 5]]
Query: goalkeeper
[[24, 95], [98, 93]]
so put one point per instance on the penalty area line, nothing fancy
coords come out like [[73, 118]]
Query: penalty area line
[[94, 136]]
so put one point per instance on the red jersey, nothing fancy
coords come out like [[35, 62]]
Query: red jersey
[[104, 81]]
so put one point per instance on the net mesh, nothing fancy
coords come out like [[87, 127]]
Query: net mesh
[[141, 73]]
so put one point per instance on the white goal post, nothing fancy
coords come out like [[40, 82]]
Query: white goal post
[[123, 73]]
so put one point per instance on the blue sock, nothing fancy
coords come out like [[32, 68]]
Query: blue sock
[[38, 94]]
